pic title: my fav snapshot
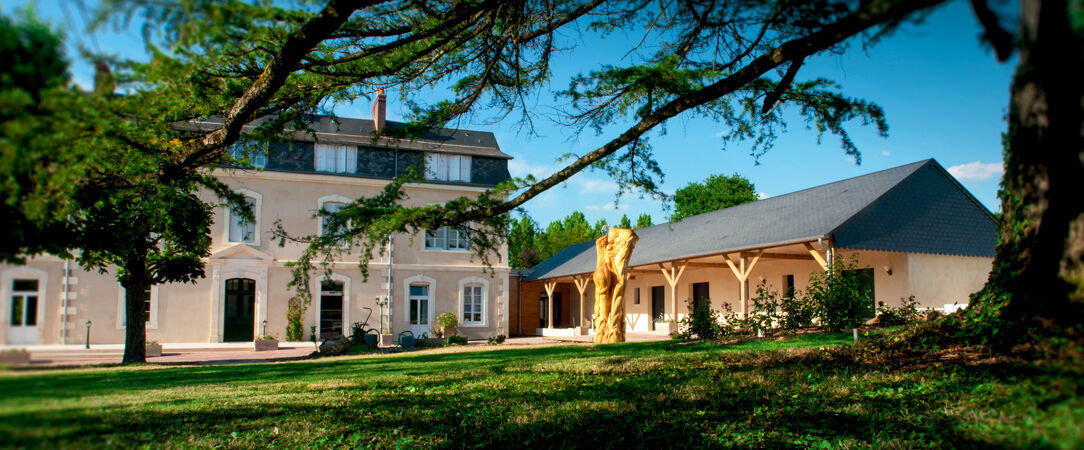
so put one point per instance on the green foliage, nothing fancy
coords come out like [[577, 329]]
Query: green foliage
[[295, 312], [716, 192], [906, 313], [842, 294], [701, 323], [457, 340], [447, 320], [765, 310], [644, 221], [527, 245], [798, 310], [495, 340], [624, 222], [522, 253]]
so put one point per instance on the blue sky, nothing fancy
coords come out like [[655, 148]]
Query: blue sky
[[945, 97]]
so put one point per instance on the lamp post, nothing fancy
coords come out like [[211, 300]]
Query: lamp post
[[88, 335]]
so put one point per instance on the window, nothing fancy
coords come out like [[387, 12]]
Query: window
[[543, 311], [788, 286], [336, 158], [150, 307], [331, 208], [24, 302], [448, 238], [419, 304], [242, 230], [472, 304], [442, 167], [636, 299], [251, 153]]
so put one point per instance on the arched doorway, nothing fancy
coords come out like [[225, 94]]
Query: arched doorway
[[239, 320], [331, 309]]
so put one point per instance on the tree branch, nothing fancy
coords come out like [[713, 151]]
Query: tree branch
[[874, 14]]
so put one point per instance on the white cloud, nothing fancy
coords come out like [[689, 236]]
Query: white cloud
[[762, 195], [594, 185], [521, 168], [976, 171], [607, 207], [885, 153]]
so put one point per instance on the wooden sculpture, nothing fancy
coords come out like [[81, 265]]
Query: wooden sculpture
[[611, 273]]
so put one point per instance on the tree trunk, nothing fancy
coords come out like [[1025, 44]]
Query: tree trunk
[[1039, 262], [137, 286]]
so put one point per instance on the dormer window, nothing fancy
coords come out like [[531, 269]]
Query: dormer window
[[443, 167], [249, 153], [336, 158]]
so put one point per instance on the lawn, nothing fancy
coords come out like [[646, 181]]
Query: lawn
[[660, 394]]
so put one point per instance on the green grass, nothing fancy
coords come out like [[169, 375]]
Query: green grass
[[662, 394]]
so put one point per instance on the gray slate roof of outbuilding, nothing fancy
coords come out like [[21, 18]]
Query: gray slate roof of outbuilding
[[917, 207]]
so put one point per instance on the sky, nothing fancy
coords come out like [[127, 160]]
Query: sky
[[945, 97]]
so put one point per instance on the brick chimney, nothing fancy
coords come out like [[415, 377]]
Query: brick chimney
[[380, 110]]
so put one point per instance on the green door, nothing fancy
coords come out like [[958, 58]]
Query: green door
[[239, 320]]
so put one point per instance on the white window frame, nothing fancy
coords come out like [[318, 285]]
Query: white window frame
[[445, 236], [6, 292], [419, 280], [335, 158], [447, 167], [152, 316], [484, 284], [333, 198], [256, 211], [254, 151]]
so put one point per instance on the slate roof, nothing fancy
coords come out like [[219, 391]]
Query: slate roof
[[343, 130], [917, 207]]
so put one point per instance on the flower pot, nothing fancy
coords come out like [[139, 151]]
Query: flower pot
[[266, 345], [372, 339], [152, 350]]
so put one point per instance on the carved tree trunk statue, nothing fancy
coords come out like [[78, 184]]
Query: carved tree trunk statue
[[611, 273]]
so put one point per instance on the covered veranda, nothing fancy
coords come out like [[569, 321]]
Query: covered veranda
[[913, 230], [656, 291]]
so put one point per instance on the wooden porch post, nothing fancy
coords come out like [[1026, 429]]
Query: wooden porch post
[[672, 277], [742, 274], [581, 285], [550, 287], [817, 256]]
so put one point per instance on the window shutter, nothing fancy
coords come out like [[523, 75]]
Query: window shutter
[[464, 168], [351, 159]]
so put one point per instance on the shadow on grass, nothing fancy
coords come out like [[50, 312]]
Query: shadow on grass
[[702, 395]]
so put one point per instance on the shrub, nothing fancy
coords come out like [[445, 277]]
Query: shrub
[[295, 308], [357, 333], [447, 321], [764, 311], [797, 311], [906, 313], [457, 339], [842, 295], [498, 339], [701, 323]]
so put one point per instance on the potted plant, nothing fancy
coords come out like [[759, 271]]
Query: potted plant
[[667, 324], [153, 348], [267, 343], [448, 323]]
